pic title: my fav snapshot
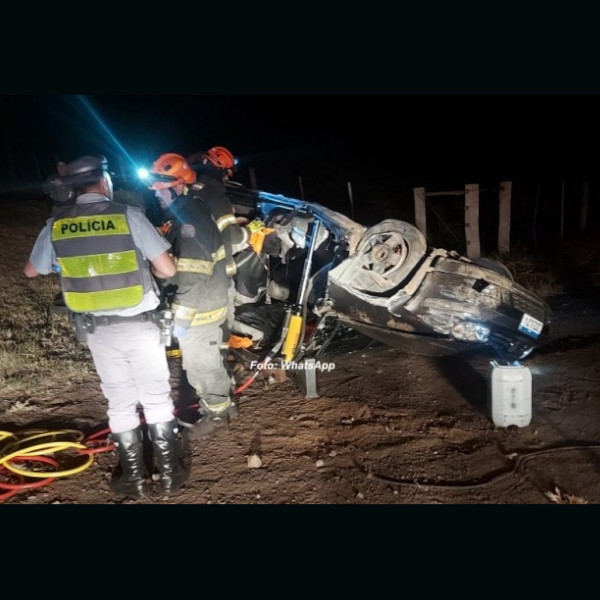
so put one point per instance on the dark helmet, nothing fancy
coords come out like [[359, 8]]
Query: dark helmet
[[218, 156], [86, 169]]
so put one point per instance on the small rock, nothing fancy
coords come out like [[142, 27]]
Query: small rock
[[155, 476], [360, 496], [254, 462], [332, 453], [320, 463]]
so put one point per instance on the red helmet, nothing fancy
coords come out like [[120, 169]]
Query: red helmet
[[169, 170], [220, 157]]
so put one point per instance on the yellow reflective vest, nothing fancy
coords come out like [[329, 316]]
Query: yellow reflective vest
[[99, 262]]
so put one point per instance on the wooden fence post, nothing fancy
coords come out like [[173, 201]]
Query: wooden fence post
[[504, 217], [252, 179], [472, 220], [420, 210], [349, 183]]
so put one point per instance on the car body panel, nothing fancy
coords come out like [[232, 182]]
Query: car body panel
[[385, 282]]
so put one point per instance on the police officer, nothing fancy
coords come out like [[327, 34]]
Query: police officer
[[200, 298], [60, 191], [107, 254]]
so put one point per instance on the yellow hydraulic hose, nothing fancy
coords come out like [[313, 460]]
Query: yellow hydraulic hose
[[6, 434], [42, 449], [37, 434], [18, 448]]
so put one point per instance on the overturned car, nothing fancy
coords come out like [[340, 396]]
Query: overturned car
[[384, 282]]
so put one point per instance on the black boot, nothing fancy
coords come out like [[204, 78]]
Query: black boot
[[130, 480], [168, 451], [212, 421]]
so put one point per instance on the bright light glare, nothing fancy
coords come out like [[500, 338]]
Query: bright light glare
[[143, 173]]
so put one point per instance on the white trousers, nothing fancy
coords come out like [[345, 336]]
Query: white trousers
[[133, 370]]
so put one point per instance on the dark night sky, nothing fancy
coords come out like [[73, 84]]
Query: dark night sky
[[383, 144], [411, 138]]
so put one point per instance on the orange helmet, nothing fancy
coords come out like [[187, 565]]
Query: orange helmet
[[169, 170], [220, 157]]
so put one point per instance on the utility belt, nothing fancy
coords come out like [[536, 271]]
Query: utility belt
[[85, 323]]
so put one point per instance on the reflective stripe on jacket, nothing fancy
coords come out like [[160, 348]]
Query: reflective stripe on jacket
[[201, 281], [100, 264], [235, 237]]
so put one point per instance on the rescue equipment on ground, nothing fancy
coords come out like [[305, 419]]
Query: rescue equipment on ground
[[509, 393]]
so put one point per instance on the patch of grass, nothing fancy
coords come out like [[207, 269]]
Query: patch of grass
[[533, 273], [38, 349], [42, 354]]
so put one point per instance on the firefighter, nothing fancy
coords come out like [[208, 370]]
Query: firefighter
[[243, 243], [200, 295], [107, 254]]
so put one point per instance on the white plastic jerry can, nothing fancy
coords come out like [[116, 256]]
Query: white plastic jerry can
[[509, 391]]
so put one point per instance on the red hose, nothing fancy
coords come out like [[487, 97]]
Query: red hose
[[246, 384], [15, 488]]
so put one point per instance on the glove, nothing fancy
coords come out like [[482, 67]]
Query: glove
[[255, 225], [257, 239], [181, 328]]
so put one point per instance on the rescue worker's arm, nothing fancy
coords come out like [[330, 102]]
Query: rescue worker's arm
[[263, 239], [163, 266], [42, 256], [30, 270], [152, 244], [235, 235]]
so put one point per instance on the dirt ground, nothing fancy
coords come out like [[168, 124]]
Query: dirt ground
[[387, 428]]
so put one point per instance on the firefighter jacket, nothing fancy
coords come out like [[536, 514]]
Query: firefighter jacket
[[212, 191], [200, 284], [101, 267]]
